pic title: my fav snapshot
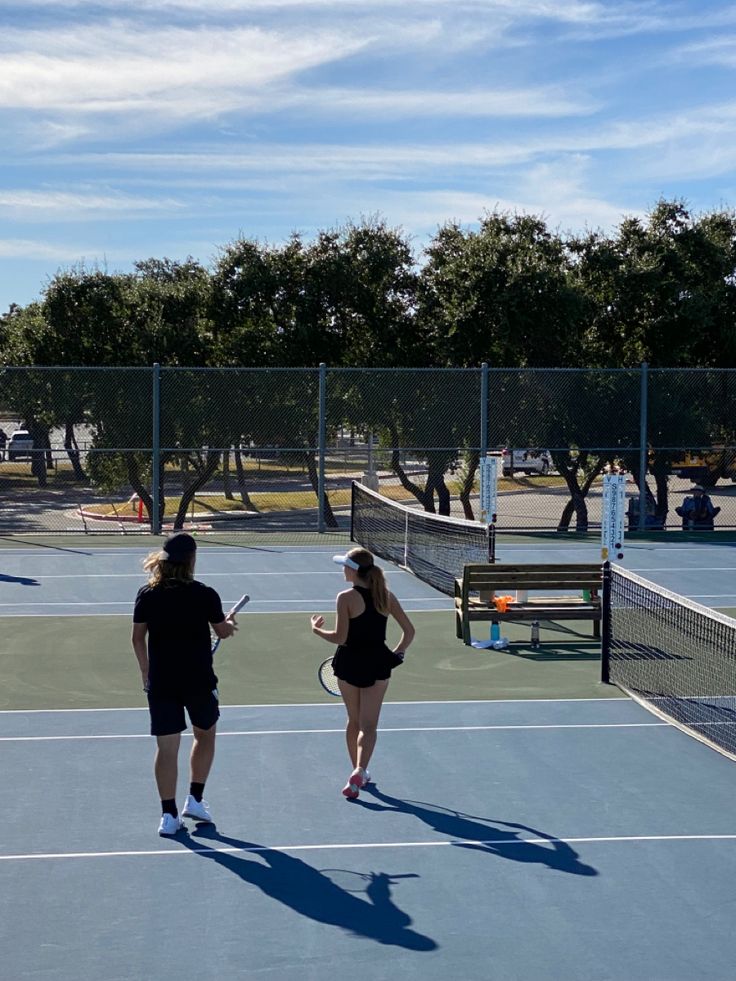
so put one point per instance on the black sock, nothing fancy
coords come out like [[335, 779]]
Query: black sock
[[169, 807], [197, 791]]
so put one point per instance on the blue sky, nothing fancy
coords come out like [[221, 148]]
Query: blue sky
[[139, 128]]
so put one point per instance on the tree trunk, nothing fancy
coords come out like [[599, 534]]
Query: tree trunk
[[226, 489], [327, 512], [240, 472], [203, 474], [577, 504], [469, 480], [72, 450], [39, 435]]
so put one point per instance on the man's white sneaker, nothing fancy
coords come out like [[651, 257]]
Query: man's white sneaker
[[170, 825], [197, 810]]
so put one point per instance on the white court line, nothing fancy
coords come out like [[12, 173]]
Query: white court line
[[251, 612], [210, 575], [274, 602], [384, 730], [329, 705], [343, 846], [74, 552]]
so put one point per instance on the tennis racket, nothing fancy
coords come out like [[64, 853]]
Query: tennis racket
[[327, 677], [238, 606]]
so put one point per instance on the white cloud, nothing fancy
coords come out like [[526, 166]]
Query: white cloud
[[684, 132], [81, 204], [118, 69], [539, 102], [719, 51], [20, 248]]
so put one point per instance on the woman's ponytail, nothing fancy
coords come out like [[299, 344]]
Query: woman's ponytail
[[373, 577]]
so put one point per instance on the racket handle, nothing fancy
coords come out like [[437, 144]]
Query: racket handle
[[238, 606]]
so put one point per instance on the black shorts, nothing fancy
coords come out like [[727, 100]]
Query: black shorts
[[361, 670], [167, 713]]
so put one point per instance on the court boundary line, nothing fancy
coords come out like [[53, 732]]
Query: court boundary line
[[385, 730], [336, 704], [345, 846]]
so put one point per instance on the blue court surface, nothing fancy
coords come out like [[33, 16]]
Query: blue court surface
[[84, 581], [510, 840], [570, 839]]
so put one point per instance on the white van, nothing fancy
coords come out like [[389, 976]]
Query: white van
[[19, 445], [528, 461]]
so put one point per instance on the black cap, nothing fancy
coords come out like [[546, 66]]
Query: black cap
[[179, 547]]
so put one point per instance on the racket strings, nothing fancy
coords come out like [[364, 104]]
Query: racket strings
[[328, 678]]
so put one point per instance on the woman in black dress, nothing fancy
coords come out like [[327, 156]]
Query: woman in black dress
[[363, 661]]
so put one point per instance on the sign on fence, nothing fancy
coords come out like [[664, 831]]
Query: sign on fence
[[489, 487], [612, 525]]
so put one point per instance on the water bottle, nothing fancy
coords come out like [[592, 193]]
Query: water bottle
[[535, 634], [495, 632]]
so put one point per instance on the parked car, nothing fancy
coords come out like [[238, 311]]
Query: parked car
[[20, 445], [528, 461]]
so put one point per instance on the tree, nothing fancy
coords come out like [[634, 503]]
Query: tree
[[504, 294]]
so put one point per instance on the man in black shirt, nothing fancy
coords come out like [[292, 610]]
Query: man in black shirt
[[171, 640]]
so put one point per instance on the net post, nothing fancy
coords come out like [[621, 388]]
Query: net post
[[606, 625], [484, 408], [406, 540], [352, 511], [643, 445], [322, 447], [156, 453], [492, 541]]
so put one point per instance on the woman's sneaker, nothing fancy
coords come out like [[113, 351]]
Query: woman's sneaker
[[356, 780], [197, 810], [169, 825]]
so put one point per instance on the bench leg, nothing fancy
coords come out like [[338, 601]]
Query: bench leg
[[467, 640], [597, 629], [458, 624]]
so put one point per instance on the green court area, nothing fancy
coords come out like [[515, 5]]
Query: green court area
[[87, 662]]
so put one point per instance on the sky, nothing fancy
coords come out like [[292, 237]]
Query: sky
[[134, 129]]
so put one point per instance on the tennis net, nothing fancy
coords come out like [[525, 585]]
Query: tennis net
[[673, 655], [432, 546]]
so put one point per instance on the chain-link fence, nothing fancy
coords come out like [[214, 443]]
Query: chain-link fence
[[248, 449]]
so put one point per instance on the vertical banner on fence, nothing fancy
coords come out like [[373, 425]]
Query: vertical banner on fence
[[612, 525], [488, 487]]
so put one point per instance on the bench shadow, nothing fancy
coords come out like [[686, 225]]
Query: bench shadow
[[505, 839], [549, 651], [312, 893]]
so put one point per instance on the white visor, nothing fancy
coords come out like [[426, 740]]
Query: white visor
[[345, 560]]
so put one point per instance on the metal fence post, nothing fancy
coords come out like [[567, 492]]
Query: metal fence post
[[156, 454], [606, 624], [643, 446], [484, 408], [322, 446]]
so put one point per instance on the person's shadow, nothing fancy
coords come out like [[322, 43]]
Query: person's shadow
[[23, 580], [490, 835], [310, 892]]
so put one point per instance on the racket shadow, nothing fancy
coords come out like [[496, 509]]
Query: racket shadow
[[505, 839], [310, 892]]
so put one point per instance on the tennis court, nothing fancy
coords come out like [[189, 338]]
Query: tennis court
[[526, 821]]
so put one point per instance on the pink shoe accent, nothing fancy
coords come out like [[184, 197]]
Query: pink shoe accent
[[352, 788]]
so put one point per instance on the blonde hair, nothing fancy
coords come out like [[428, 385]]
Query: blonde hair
[[373, 578], [162, 571]]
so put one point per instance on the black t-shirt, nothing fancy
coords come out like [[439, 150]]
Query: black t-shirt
[[178, 616]]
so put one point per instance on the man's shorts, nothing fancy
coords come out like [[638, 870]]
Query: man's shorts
[[167, 714]]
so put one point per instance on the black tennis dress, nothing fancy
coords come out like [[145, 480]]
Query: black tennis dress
[[364, 658]]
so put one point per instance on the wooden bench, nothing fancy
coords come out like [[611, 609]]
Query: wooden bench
[[480, 584]]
